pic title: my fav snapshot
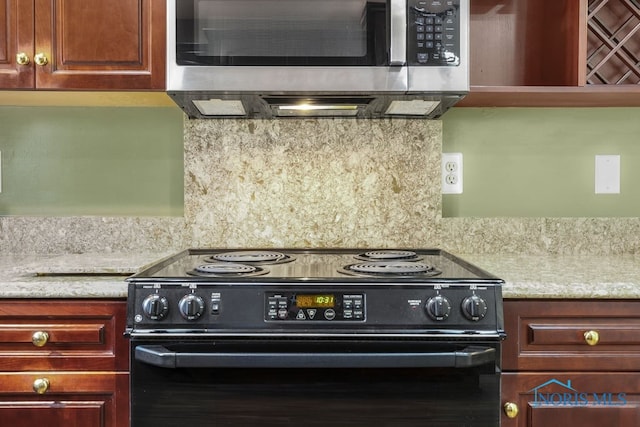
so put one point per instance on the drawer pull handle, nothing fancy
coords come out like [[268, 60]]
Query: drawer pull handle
[[592, 337], [40, 338], [41, 385], [511, 410]]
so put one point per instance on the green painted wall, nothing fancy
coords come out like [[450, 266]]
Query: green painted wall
[[519, 162], [540, 162], [91, 161]]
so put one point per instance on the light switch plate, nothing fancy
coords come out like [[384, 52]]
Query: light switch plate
[[607, 174]]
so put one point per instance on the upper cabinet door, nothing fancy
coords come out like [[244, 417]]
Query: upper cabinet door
[[16, 44], [98, 44]]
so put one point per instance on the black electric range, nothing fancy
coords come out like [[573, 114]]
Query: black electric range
[[315, 337], [318, 290]]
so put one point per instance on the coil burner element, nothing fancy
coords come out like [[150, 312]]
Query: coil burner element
[[389, 255], [227, 270], [390, 269], [251, 257]]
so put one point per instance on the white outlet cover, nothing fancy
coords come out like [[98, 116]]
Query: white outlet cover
[[607, 174], [451, 177]]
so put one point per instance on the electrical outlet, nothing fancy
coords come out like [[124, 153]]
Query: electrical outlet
[[451, 173]]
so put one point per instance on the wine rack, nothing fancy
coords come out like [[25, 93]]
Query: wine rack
[[613, 42]]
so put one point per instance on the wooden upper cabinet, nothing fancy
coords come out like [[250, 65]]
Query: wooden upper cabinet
[[16, 38], [526, 42], [84, 44], [542, 52]]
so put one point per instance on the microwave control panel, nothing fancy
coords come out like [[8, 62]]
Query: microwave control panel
[[433, 32]]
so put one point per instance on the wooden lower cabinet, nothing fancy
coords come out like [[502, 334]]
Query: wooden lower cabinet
[[72, 399], [571, 363], [63, 363], [572, 399]]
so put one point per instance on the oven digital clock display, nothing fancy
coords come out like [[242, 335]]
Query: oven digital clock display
[[316, 301]]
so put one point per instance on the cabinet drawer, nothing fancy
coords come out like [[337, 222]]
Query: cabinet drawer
[[593, 399], [572, 335], [53, 334], [62, 335], [72, 399]]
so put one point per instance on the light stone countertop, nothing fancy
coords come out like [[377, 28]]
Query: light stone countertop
[[525, 276], [70, 276], [562, 276]]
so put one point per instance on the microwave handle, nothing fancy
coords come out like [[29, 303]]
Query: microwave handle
[[160, 356], [398, 33]]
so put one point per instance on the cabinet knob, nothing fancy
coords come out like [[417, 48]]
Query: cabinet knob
[[40, 338], [592, 337], [41, 385], [510, 410], [41, 59], [22, 58]]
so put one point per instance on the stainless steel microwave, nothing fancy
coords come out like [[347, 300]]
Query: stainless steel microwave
[[290, 58]]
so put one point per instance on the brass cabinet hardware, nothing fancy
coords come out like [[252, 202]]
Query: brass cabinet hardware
[[592, 337], [510, 410], [40, 338], [22, 58], [41, 59], [41, 385]]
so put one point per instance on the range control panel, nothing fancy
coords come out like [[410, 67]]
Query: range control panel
[[325, 306], [434, 32], [205, 307]]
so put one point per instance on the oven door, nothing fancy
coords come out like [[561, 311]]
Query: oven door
[[316, 383]]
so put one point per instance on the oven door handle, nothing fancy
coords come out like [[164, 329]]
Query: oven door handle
[[162, 357]]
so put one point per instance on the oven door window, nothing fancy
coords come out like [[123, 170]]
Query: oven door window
[[282, 32], [323, 397], [313, 396]]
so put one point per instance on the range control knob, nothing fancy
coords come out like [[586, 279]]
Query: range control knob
[[438, 307], [474, 308], [191, 307], [155, 307]]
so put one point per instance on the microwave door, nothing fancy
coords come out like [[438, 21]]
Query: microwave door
[[287, 32], [284, 46]]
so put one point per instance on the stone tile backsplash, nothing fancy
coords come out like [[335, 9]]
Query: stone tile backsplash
[[312, 183], [316, 183]]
